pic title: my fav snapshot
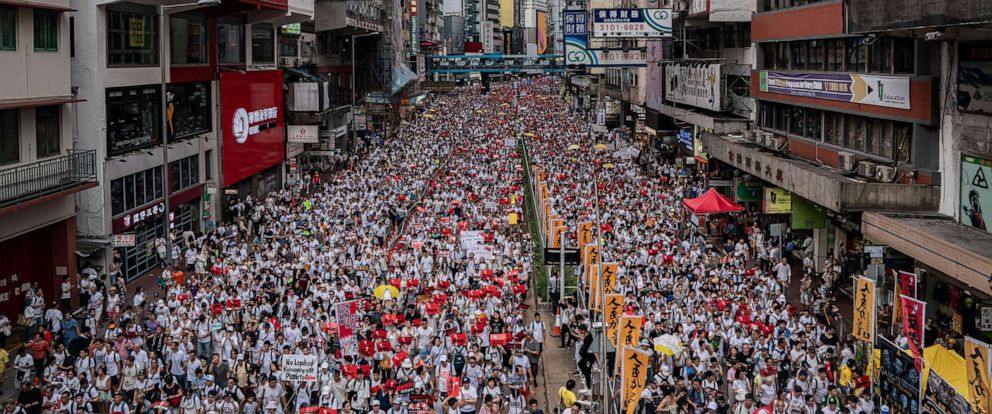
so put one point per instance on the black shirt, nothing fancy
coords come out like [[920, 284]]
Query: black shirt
[[31, 396]]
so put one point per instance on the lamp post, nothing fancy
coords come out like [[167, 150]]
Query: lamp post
[[164, 65], [354, 132]]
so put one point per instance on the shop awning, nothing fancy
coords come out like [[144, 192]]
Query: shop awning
[[35, 102], [37, 5], [960, 252], [711, 202], [87, 247]]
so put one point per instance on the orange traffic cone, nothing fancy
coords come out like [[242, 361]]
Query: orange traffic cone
[[556, 331]]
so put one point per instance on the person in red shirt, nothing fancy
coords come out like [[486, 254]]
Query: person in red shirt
[[39, 349]]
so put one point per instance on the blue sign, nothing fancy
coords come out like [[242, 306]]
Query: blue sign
[[686, 138], [632, 23], [578, 51]]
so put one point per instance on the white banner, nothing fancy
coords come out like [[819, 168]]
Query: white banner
[[299, 368], [302, 134], [124, 240], [474, 242], [692, 84]]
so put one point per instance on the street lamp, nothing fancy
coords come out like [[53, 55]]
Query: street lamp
[[164, 104], [354, 132]]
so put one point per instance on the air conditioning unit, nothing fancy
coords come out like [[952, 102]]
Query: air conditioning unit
[[847, 161], [768, 139], [867, 169], [885, 174], [748, 134]]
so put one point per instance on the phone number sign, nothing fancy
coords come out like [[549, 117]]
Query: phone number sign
[[632, 23]]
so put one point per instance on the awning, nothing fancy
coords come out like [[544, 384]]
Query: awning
[[87, 247], [711, 202], [35, 102], [36, 5], [961, 252]]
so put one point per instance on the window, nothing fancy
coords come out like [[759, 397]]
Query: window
[[904, 56], [8, 28], [835, 55], [132, 191], [881, 56], [798, 121], [136, 261], [782, 56], [132, 36], [876, 134], [816, 55], [46, 31], [263, 43], [188, 110], [799, 58], [230, 42], [857, 56], [903, 140], [48, 130], [208, 164], [184, 173], [188, 40], [133, 120], [813, 124], [856, 132], [833, 129], [10, 140], [288, 47], [72, 36]]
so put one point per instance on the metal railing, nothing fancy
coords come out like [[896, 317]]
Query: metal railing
[[38, 179]]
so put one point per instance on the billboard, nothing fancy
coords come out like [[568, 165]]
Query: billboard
[[542, 32], [632, 23], [506, 13], [777, 201], [887, 91], [694, 84], [578, 53], [976, 198], [252, 121], [975, 78]]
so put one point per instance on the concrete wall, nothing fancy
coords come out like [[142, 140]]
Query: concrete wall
[[30, 74], [824, 19], [873, 15]]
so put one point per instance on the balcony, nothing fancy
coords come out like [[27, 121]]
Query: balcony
[[31, 182]]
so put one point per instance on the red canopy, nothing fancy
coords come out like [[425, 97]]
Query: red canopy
[[711, 202]]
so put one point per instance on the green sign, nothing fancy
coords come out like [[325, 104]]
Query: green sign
[[293, 28], [806, 215], [747, 192]]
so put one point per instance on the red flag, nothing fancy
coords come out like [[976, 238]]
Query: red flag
[[454, 385], [913, 318]]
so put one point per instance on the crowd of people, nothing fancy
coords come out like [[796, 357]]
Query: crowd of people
[[418, 234]]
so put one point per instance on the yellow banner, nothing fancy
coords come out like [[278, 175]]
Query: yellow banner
[[635, 374], [594, 285], [864, 310], [556, 233], [590, 255], [512, 218], [553, 222], [613, 310], [976, 362], [610, 276], [630, 332], [585, 234]]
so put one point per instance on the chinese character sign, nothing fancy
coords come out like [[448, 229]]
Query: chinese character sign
[[630, 331], [913, 316], [347, 313], [585, 233], [609, 276], [864, 309], [613, 309], [907, 283], [976, 361], [634, 378], [595, 284]]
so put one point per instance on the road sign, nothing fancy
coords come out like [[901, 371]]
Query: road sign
[[553, 256]]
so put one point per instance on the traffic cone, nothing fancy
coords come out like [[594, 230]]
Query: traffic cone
[[556, 331]]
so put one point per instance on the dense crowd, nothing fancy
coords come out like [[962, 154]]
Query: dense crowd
[[427, 215]]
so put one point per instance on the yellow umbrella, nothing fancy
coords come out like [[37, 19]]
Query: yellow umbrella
[[609, 166], [573, 147], [600, 146], [529, 134], [428, 115], [386, 292]]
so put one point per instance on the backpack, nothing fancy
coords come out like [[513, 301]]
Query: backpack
[[458, 357]]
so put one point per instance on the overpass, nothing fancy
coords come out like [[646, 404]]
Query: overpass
[[496, 63]]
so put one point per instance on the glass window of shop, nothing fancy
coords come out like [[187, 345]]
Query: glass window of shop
[[188, 39], [184, 173], [882, 55], [188, 110], [185, 217], [263, 48], [230, 41], [132, 120], [138, 260], [136, 190], [132, 36]]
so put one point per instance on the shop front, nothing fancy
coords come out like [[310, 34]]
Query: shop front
[[23, 267]]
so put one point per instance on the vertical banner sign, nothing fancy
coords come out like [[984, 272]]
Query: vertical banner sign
[[612, 312], [542, 32], [609, 273], [940, 397], [635, 373], [585, 233], [590, 255], [976, 195], [907, 283], [630, 333], [556, 232], [347, 313], [913, 317], [414, 41], [575, 32], [864, 310], [136, 32], [595, 284], [898, 379], [977, 364]]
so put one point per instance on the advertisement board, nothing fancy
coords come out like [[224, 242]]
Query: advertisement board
[[975, 78], [656, 79], [578, 53], [976, 197], [252, 121], [877, 90], [687, 139], [542, 32], [899, 381], [776, 201], [615, 23], [302, 134], [414, 41], [694, 84]]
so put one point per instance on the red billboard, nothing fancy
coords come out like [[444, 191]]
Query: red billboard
[[252, 120], [472, 47]]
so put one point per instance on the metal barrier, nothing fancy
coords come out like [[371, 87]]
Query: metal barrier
[[49, 176]]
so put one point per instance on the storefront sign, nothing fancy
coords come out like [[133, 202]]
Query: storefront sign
[[414, 41], [694, 84], [303, 134], [686, 138], [123, 240], [776, 201], [976, 195], [578, 53], [898, 378], [632, 23], [940, 397], [985, 318], [250, 105], [887, 91], [975, 78], [806, 215], [131, 219]]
